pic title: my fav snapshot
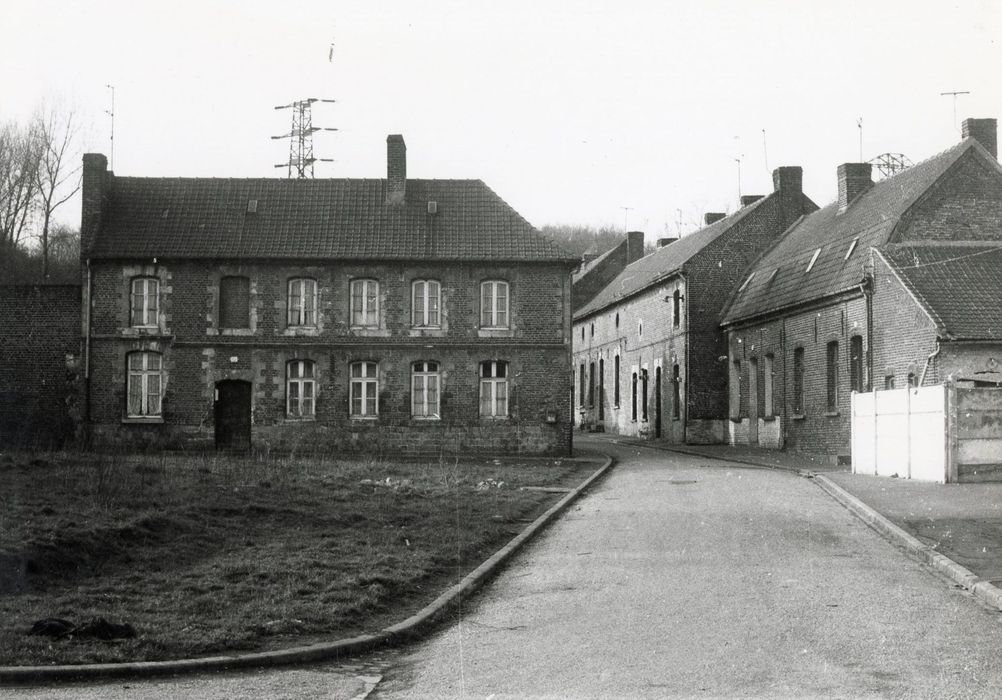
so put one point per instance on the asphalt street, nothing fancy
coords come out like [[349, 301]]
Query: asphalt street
[[676, 576]]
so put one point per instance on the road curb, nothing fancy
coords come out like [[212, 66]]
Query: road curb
[[981, 589], [401, 632]]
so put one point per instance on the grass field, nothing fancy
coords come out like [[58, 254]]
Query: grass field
[[205, 554]]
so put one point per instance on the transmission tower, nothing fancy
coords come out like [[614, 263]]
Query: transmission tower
[[301, 158], [888, 164]]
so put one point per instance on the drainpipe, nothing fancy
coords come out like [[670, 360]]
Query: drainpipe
[[87, 312], [928, 360]]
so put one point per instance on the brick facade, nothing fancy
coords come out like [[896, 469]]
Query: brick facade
[[39, 365]]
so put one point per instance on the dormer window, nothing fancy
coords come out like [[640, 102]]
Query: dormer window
[[814, 259]]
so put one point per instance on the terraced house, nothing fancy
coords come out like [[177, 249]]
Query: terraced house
[[896, 284], [376, 314], [648, 345]]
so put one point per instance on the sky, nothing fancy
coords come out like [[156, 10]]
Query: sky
[[638, 115]]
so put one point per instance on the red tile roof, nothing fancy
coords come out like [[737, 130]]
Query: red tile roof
[[960, 286], [314, 219]]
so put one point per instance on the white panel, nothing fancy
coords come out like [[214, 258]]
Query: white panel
[[928, 448]]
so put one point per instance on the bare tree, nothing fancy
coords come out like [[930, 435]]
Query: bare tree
[[19, 157], [57, 177]]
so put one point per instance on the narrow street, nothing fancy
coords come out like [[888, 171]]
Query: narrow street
[[676, 576]]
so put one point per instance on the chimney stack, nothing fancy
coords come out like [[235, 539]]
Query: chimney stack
[[853, 180], [93, 193], [747, 199], [712, 217], [985, 131], [396, 169], [634, 246], [662, 242], [788, 178]]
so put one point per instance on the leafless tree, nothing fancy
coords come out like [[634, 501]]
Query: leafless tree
[[19, 158], [57, 175]]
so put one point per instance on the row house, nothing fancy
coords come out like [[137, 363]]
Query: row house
[[647, 347], [895, 284], [365, 314]]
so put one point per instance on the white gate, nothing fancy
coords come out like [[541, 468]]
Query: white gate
[[901, 432]]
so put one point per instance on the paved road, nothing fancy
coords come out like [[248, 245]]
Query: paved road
[[677, 576]]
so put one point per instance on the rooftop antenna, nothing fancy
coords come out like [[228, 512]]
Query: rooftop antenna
[[765, 152], [738, 161], [859, 123], [626, 217], [954, 95], [111, 113], [679, 212], [889, 164], [301, 158]]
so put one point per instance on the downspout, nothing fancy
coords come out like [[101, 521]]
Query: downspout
[[688, 347], [928, 360], [786, 387], [87, 312]]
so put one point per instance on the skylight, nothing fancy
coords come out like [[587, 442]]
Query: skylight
[[852, 247], [742, 287], [814, 259]]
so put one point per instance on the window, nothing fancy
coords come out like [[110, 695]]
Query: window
[[145, 302], [615, 379], [643, 395], [856, 382], [912, 380], [640, 329], [601, 389], [364, 390], [234, 302], [494, 305], [591, 384], [365, 303], [425, 390], [814, 259], [592, 330], [798, 381], [300, 389], [581, 384], [676, 308], [745, 283], [633, 411], [832, 360], [889, 382], [767, 387], [617, 319], [302, 302], [852, 247], [735, 387], [144, 384], [676, 390], [494, 389], [425, 300]]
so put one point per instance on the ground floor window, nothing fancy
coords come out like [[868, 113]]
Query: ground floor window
[[144, 384], [301, 389], [364, 389], [494, 389], [425, 393]]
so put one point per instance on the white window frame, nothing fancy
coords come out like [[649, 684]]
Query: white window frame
[[364, 389], [301, 389], [426, 303], [364, 299], [145, 290], [302, 303], [426, 390], [494, 389], [147, 378], [495, 304]]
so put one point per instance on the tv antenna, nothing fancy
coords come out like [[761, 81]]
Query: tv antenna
[[889, 164], [626, 217], [301, 158], [111, 113], [954, 94]]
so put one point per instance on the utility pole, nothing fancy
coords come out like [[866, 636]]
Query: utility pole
[[954, 94]]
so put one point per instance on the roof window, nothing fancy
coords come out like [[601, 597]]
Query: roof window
[[745, 284], [852, 247], [813, 259]]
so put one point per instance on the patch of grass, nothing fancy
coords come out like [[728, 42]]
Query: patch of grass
[[209, 553]]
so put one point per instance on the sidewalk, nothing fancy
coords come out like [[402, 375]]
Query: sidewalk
[[956, 528]]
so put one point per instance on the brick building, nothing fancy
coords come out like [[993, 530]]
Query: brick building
[[39, 365], [895, 284], [364, 314], [646, 347]]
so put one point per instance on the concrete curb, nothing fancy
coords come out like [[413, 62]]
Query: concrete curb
[[737, 459], [404, 631], [981, 589]]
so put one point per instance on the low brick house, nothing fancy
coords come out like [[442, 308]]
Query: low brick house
[[895, 284], [647, 346], [361, 314]]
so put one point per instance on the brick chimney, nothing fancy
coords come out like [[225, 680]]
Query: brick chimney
[[634, 246], [396, 169], [853, 180], [662, 242], [93, 192], [747, 199], [711, 217], [985, 131], [788, 178]]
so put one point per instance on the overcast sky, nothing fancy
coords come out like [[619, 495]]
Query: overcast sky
[[570, 111]]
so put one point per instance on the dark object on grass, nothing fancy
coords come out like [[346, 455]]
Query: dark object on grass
[[53, 627], [102, 629]]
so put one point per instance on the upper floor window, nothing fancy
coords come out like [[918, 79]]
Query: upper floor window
[[234, 302], [494, 304], [494, 389], [145, 302], [425, 302], [302, 302], [365, 303], [676, 308], [145, 384], [364, 389], [425, 392], [301, 389]]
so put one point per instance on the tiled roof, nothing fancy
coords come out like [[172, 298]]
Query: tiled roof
[[960, 286], [663, 262], [781, 278], [313, 219]]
